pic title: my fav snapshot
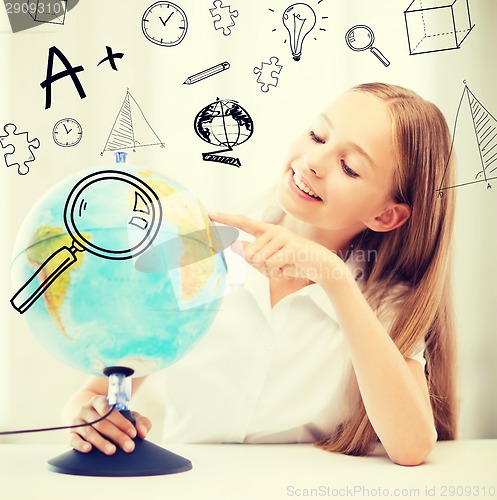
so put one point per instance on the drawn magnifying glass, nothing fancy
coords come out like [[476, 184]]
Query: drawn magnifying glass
[[360, 38], [120, 234]]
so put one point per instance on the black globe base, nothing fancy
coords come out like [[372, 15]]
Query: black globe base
[[147, 459]]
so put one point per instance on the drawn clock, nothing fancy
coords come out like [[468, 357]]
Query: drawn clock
[[67, 132], [165, 24]]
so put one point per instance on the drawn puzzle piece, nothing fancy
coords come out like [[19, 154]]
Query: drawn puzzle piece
[[268, 73], [225, 17], [19, 148]]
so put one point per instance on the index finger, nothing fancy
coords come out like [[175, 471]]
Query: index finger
[[251, 226]]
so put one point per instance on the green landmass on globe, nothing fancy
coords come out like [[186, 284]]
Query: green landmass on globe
[[186, 215], [102, 312], [46, 240]]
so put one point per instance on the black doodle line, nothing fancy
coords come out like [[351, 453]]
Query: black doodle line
[[438, 34]]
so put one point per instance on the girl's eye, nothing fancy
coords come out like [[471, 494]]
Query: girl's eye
[[315, 137], [348, 171]]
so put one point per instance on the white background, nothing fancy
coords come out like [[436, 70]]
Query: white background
[[33, 384]]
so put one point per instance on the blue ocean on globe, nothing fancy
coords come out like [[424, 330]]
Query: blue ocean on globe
[[134, 297]]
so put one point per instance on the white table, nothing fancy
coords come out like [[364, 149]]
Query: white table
[[260, 472]]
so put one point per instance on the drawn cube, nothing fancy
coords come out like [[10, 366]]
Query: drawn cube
[[48, 11], [437, 25]]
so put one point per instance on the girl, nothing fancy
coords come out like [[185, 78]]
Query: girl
[[345, 334]]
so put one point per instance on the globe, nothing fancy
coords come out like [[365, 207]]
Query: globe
[[145, 281], [224, 123]]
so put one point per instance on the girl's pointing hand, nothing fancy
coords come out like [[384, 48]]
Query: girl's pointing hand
[[279, 253]]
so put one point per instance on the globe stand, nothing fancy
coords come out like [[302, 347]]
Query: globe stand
[[147, 459]]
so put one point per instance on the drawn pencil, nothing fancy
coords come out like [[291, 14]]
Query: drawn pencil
[[206, 73]]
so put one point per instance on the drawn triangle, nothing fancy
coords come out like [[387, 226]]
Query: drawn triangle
[[131, 128], [474, 142]]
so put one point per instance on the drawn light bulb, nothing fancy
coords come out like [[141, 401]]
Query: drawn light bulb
[[298, 19]]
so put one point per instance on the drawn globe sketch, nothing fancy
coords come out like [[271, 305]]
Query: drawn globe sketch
[[224, 123]]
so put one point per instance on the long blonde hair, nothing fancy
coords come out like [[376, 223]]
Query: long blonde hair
[[418, 254]]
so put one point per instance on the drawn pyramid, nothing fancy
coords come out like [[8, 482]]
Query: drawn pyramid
[[475, 142], [131, 129]]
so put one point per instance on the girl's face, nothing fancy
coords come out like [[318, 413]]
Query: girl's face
[[339, 173]]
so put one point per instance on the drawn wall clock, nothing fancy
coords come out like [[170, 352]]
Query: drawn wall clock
[[165, 24], [67, 132]]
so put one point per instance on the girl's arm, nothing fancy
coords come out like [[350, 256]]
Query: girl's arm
[[394, 390], [89, 404]]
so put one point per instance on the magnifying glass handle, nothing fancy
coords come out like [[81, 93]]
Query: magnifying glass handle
[[380, 56], [58, 262]]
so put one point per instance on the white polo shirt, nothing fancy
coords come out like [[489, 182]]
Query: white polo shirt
[[262, 374]]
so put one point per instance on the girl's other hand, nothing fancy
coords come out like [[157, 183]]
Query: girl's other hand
[[115, 430]]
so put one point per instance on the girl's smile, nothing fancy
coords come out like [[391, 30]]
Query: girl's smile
[[302, 187]]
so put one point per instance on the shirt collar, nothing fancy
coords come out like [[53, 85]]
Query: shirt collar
[[258, 286]]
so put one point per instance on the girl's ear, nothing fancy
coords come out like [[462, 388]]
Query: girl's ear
[[391, 218]]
